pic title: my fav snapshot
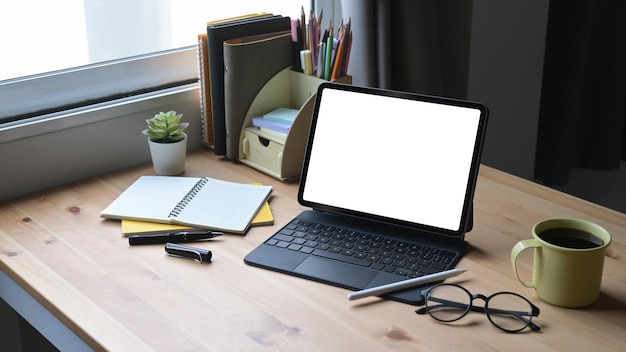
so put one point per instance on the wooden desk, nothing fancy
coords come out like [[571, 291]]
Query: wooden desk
[[114, 297]]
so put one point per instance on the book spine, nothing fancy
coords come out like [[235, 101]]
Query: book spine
[[205, 102]]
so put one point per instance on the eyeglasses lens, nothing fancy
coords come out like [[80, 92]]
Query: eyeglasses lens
[[448, 303], [508, 311]]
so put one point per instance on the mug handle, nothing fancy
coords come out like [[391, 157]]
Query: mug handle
[[517, 249]]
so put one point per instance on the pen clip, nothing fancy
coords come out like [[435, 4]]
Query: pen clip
[[198, 254]]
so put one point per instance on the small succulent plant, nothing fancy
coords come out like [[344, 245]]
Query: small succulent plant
[[165, 127]]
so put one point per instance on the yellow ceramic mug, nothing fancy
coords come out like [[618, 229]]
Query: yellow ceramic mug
[[568, 261]]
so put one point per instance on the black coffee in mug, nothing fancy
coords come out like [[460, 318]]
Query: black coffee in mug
[[571, 238]]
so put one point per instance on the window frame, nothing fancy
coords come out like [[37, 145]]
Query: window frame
[[59, 91]]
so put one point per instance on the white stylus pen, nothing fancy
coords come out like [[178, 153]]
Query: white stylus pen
[[396, 286]]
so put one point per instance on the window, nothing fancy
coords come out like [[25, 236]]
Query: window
[[79, 78], [55, 46]]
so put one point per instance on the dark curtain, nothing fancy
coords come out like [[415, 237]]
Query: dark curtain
[[417, 46], [582, 121]]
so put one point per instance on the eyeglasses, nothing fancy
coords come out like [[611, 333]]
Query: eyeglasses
[[508, 311]]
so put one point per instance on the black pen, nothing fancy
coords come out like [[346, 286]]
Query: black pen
[[174, 237]]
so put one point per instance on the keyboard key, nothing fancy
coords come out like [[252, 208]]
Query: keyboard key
[[415, 247], [375, 244], [373, 251], [360, 255], [413, 267], [389, 268], [388, 247], [398, 256], [348, 252], [299, 234], [412, 253], [386, 253], [318, 226], [311, 244], [281, 237], [334, 249], [350, 239], [377, 266], [372, 258], [411, 259], [298, 240], [341, 231], [287, 232], [337, 243], [306, 250], [387, 261]]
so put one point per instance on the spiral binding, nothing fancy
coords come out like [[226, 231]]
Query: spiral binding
[[188, 197]]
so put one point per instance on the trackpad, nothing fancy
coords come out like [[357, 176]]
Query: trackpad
[[335, 272]]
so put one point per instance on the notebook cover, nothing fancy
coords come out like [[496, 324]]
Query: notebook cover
[[250, 62], [217, 34], [129, 227]]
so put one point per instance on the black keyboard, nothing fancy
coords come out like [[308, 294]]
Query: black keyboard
[[364, 249]]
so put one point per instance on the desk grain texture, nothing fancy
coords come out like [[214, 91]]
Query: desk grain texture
[[121, 298]]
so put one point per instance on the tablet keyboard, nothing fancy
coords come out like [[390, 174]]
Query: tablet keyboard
[[374, 251]]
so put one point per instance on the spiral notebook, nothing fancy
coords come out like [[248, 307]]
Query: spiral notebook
[[200, 202]]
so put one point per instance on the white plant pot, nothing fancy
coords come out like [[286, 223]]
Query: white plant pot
[[168, 158]]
